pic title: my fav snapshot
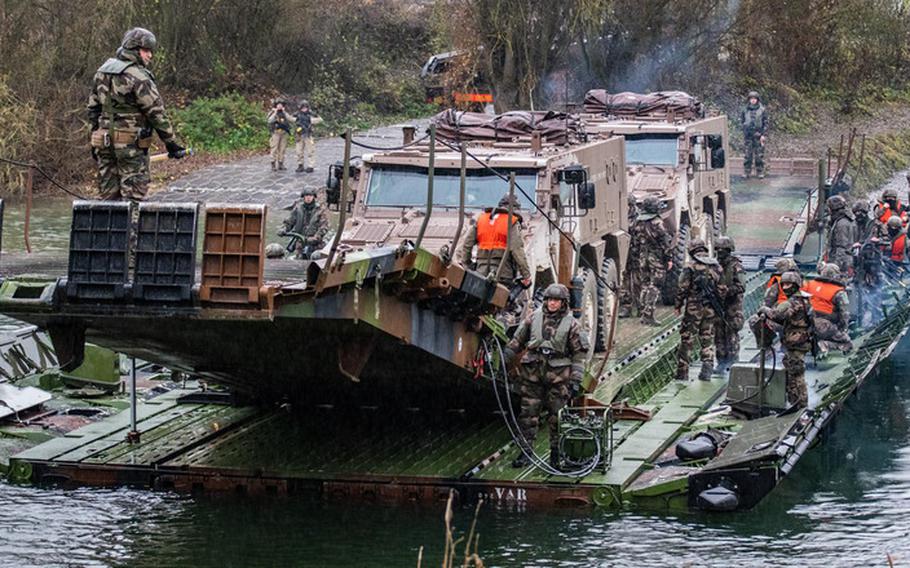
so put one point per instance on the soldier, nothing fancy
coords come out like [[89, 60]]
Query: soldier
[[700, 289], [650, 256], [279, 131], [305, 145], [309, 220], [796, 317], [552, 367], [865, 227], [897, 239], [754, 121], [491, 235], [124, 109], [841, 234], [727, 326], [774, 296], [890, 205], [832, 308]]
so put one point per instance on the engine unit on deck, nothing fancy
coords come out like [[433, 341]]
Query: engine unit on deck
[[743, 393]]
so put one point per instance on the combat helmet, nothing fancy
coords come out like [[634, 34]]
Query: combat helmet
[[139, 38], [556, 292], [274, 250], [784, 264], [308, 191], [504, 202], [304, 104], [753, 95], [791, 277], [861, 206], [697, 245], [889, 193], [724, 243], [836, 203], [651, 205], [894, 223], [830, 271]]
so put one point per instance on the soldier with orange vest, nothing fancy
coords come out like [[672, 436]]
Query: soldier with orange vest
[[774, 296], [832, 308], [896, 249], [889, 206], [491, 236]]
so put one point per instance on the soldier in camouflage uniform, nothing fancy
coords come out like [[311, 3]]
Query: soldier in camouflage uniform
[[831, 307], [650, 256], [552, 367], [726, 328], [310, 220], [488, 233], [700, 288], [797, 319], [754, 121], [865, 227], [124, 110], [841, 234]]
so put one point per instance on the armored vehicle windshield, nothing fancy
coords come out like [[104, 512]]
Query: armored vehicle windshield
[[652, 149]]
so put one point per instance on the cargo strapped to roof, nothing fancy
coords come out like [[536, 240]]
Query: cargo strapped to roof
[[676, 104], [553, 127]]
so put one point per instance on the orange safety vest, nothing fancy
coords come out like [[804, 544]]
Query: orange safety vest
[[887, 212], [898, 248], [823, 293], [775, 279], [493, 231]]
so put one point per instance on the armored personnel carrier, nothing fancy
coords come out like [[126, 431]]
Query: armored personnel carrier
[[674, 152]]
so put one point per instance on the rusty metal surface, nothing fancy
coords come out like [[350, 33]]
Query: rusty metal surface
[[233, 254]]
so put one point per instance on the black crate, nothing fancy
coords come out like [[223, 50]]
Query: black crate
[[165, 252], [99, 251]]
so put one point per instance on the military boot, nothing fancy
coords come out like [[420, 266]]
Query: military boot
[[760, 174], [299, 168], [624, 312], [748, 173], [521, 461], [649, 320], [706, 372], [273, 166], [281, 166], [309, 170]]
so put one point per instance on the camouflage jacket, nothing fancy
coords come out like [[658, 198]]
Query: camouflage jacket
[[754, 120], [840, 238], [797, 318], [575, 347], [488, 260], [700, 281], [125, 88], [650, 243], [310, 222], [732, 281]]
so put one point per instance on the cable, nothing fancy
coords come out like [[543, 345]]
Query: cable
[[381, 149], [46, 175]]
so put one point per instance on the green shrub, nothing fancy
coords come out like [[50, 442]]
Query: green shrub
[[223, 124]]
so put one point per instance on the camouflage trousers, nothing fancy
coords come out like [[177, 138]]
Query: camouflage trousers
[[830, 336], [542, 388], [306, 151], [278, 145], [764, 327], [640, 290], [755, 154], [698, 323], [123, 173], [795, 369], [726, 334], [843, 259]]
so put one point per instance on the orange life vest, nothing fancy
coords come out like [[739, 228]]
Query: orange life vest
[[775, 279], [823, 293], [899, 248], [887, 212], [493, 230]]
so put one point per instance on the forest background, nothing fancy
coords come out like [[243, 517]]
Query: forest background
[[817, 63]]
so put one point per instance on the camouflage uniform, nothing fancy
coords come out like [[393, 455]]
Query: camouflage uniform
[[797, 319], [280, 123], [650, 252], [552, 367], [831, 328], [841, 234], [754, 121], [865, 227], [726, 329], [311, 221], [488, 260], [699, 284], [123, 110]]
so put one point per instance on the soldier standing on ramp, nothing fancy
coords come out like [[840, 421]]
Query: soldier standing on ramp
[[726, 328], [700, 291], [754, 120], [798, 321], [124, 110], [841, 234], [552, 367], [649, 260]]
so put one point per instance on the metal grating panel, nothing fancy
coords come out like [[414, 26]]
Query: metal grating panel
[[166, 252], [99, 250], [233, 253], [372, 232]]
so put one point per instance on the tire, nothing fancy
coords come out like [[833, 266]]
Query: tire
[[668, 290], [589, 308], [606, 302], [720, 223]]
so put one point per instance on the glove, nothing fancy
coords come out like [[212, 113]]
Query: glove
[[282, 233], [174, 150]]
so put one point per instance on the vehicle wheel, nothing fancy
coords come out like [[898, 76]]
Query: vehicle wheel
[[720, 223], [668, 290], [607, 292], [589, 307]]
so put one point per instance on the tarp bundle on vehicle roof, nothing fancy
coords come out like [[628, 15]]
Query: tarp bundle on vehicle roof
[[662, 103], [553, 126]]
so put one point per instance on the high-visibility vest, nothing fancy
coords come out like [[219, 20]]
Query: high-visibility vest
[[493, 230], [823, 293], [899, 248], [887, 212], [775, 279]]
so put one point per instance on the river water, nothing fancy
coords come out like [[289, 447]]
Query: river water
[[846, 504]]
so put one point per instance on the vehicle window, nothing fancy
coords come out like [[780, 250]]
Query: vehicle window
[[406, 186], [652, 149]]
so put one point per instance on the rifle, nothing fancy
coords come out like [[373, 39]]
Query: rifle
[[813, 334], [709, 292]]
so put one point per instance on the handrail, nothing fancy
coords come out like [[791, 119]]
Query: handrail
[[430, 173], [342, 211]]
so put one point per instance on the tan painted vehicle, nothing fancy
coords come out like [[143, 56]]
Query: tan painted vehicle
[[674, 153], [574, 186]]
